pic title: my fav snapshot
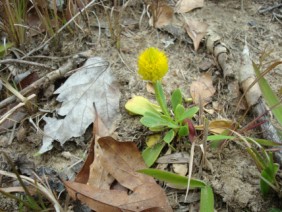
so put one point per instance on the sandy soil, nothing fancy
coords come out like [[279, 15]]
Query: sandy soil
[[234, 177]]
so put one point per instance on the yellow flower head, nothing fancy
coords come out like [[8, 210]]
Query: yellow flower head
[[152, 64]]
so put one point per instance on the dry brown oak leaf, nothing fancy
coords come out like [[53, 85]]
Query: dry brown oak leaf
[[121, 160]]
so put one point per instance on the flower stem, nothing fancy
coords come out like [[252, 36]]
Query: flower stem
[[161, 97]]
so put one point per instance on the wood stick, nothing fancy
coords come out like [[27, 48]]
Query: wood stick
[[255, 101], [24, 62]]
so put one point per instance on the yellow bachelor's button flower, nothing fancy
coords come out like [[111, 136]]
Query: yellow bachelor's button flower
[[152, 64]]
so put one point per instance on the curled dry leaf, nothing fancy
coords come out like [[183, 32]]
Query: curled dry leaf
[[161, 13], [121, 160], [184, 6], [218, 126], [202, 90], [196, 31]]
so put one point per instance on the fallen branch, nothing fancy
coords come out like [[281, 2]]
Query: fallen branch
[[255, 101], [72, 63]]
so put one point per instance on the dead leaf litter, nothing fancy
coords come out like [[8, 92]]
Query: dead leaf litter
[[209, 39]]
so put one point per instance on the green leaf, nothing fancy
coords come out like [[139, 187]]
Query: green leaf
[[151, 154], [169, 136], [268, 94], [159, 93], [176, 99], [140, 105], [216, 144], [169, 121], [275, 210], [264, 186], [173, 178], [179, 110], [220, 137], [260, 163], [216, 140], [265, 142], [207, 199], [188, 114], [157, 121], [268, 174], [3, 48], [153, 120], [156, 129], [183, 131]]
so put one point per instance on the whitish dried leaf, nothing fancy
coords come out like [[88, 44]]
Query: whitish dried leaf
[[217, 106], [178, 157], [94, 83], [184, 6], [196, 31], [121, 160], [202, 89], [180, 169], [209, 110]]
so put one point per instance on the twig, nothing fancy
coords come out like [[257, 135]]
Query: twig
[[52, 76], [12, 134], [277, 16], [49, 57], [24, 62], [269, 8], [99, 27], [10, 112]]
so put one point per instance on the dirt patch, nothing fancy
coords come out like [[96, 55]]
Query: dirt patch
[[234, 178]]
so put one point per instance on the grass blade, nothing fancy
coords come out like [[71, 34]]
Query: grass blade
[[207, 199], [268, 94], [172, 178]]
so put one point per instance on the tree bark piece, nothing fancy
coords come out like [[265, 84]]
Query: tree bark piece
[[221, 54]]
